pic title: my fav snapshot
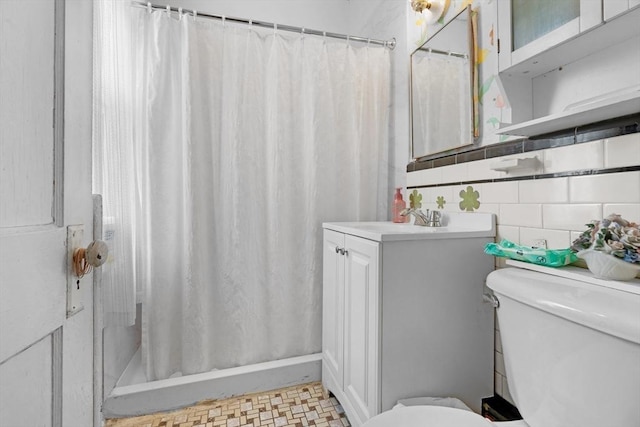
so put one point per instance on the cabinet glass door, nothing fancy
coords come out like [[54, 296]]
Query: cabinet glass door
[[533, 19]]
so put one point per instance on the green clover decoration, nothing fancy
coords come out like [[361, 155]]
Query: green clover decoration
[[469, 200], [415, 200]]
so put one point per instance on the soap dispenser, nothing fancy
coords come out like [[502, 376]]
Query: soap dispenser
[[398, 206]]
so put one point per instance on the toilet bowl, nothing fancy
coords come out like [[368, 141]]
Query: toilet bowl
[[571, 348], [435, 416]]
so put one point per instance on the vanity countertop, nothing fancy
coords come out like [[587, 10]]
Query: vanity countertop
[[455, 225]]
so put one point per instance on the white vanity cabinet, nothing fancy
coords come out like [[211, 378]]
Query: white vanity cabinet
[[350, 318], [403, 313]]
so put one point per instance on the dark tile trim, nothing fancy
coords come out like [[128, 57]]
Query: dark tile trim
[[470, 156], [504, 149], [539, 176], [592, 132], [444, 161]]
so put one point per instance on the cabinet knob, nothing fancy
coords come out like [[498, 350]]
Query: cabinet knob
[[337, 250]]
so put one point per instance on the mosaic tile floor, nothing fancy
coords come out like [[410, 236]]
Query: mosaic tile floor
[[303, 405]]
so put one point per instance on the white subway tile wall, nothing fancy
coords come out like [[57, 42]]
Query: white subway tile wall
[[508, 232], [589, 155], [609, 188], [554, 209], [622, 151], [556, 239], [521, 214], [455, 173], [570, 217], [481, 169], [627, 210], [424, 177], [551, 190], [499, 192]]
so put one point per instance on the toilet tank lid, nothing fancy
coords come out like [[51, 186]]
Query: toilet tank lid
[[611, 311]]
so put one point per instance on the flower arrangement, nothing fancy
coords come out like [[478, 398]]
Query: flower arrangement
[[611, 247], [614, 236]]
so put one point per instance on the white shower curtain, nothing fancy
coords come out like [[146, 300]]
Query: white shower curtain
[[113, 156], [250, 139]]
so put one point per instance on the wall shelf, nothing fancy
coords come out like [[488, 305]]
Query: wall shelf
[[616, 105]]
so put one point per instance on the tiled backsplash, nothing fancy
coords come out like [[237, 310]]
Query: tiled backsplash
[[569, 186]]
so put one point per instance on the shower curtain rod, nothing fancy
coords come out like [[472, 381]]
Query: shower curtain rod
[[444, 52], [391, 44]]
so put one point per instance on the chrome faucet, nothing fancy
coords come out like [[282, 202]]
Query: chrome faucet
[[420, 217], [433, 218]]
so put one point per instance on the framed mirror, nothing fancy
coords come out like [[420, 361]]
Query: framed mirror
[[443, 83]]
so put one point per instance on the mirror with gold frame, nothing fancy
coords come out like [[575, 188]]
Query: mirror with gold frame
[[443, 84]]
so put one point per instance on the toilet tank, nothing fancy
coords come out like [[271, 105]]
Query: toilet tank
[[571, 349]]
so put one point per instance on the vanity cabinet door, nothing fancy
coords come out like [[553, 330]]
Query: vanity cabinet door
[[333, 306], [361, 367]]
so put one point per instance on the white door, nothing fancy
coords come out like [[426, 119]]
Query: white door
[[46, 367], [362, 326], [332, 306]]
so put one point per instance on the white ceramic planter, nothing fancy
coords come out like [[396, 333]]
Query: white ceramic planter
[[607, 266]]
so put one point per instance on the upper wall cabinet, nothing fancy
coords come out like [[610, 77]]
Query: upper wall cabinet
[[528, 29], [536, 39], [613, 8]]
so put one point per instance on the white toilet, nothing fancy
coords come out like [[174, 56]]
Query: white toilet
[[571, 350]]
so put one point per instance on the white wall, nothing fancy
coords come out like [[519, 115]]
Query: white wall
[[322, 15]]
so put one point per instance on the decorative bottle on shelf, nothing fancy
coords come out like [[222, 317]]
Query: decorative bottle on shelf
[[398, 206]]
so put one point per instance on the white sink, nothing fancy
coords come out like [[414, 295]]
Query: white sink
[[456, 225]]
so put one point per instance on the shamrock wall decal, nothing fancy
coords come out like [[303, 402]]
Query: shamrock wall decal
[[469, 200], [415, 200]]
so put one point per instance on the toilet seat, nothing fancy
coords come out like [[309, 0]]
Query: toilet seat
[[432, 416]]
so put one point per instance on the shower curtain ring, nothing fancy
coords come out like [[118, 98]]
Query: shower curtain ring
[[275, 28], [168, 10], [149, 6], [180, 14], [224, 21], [195, 14]]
